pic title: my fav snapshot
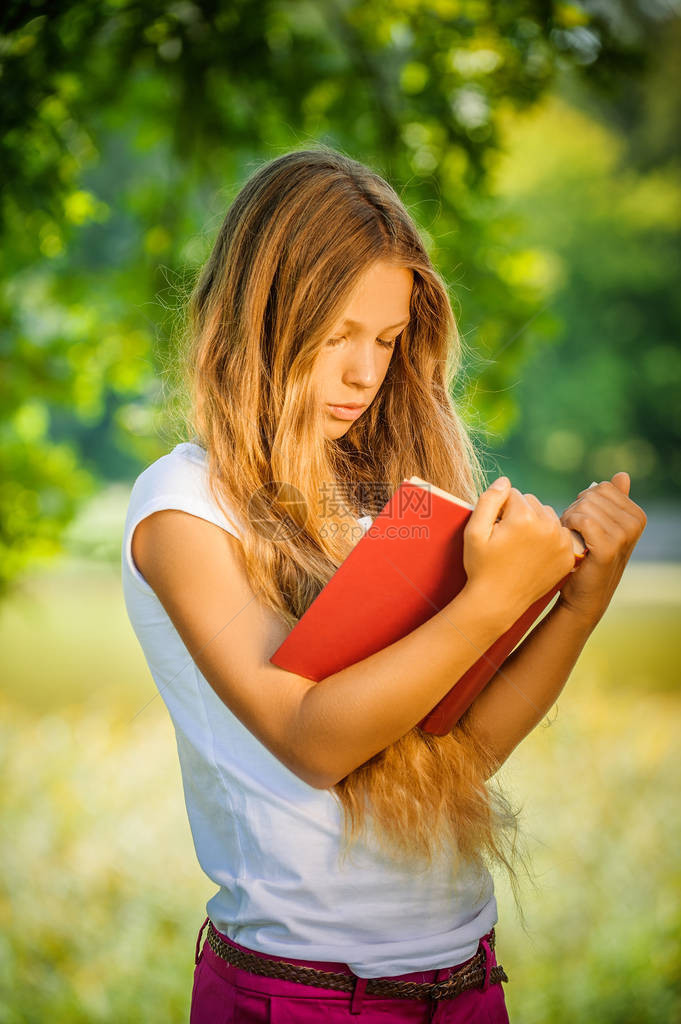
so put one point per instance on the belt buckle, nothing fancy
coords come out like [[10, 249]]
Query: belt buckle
[[448, 988]]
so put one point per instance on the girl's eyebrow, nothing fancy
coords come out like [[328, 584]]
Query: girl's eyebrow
[[355, 323]]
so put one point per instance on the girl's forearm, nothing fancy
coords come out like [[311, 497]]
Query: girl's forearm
[[529, 682], [357, 712]]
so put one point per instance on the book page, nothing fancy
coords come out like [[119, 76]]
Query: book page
[[418, 482]]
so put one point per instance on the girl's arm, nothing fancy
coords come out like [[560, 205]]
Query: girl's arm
[[519, 695], [320, 731], [532, 677], [357, 712]]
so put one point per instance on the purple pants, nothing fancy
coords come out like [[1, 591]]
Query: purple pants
[[223, 994]]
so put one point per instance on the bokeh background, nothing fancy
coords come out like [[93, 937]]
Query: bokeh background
[[537, 145]]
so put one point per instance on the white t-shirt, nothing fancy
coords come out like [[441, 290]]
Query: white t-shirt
[[267, 839]]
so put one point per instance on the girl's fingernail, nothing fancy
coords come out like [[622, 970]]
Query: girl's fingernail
[[500, 483]]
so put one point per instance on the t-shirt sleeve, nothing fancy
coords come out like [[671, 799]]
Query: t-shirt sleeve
[[173, 481]]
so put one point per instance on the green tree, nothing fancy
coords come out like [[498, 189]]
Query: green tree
[[122, 124], [596, 195]]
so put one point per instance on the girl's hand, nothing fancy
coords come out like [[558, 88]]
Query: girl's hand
[[518, 557], [611, 525]]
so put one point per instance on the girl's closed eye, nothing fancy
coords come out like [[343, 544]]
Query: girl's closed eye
[[382, 341]]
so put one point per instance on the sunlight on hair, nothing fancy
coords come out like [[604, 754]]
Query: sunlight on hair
[[294, 243]]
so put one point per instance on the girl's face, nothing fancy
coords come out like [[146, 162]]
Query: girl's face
[[353, 361]]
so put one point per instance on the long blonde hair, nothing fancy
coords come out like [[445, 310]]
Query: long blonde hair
[[287, 257]]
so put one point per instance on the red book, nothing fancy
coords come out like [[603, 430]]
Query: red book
[[406, 567]]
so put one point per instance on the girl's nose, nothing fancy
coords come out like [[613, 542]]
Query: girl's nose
[[362, 367]]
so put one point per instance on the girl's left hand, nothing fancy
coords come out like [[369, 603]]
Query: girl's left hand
[[611, 524]]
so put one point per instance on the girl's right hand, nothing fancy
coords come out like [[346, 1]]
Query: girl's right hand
[[515, 561]]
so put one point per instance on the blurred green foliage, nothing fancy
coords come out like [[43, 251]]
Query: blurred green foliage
[[127, 129], [605, 239]]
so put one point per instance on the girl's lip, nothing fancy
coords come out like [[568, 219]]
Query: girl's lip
[[344, 412]]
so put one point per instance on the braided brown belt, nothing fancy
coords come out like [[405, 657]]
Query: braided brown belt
[[470, 976]]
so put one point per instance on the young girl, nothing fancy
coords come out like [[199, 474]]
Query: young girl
[[351, 850]]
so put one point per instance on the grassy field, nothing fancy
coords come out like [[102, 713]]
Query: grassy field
[[101, 895]]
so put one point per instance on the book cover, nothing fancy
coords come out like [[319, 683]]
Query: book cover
[[405, 569]]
